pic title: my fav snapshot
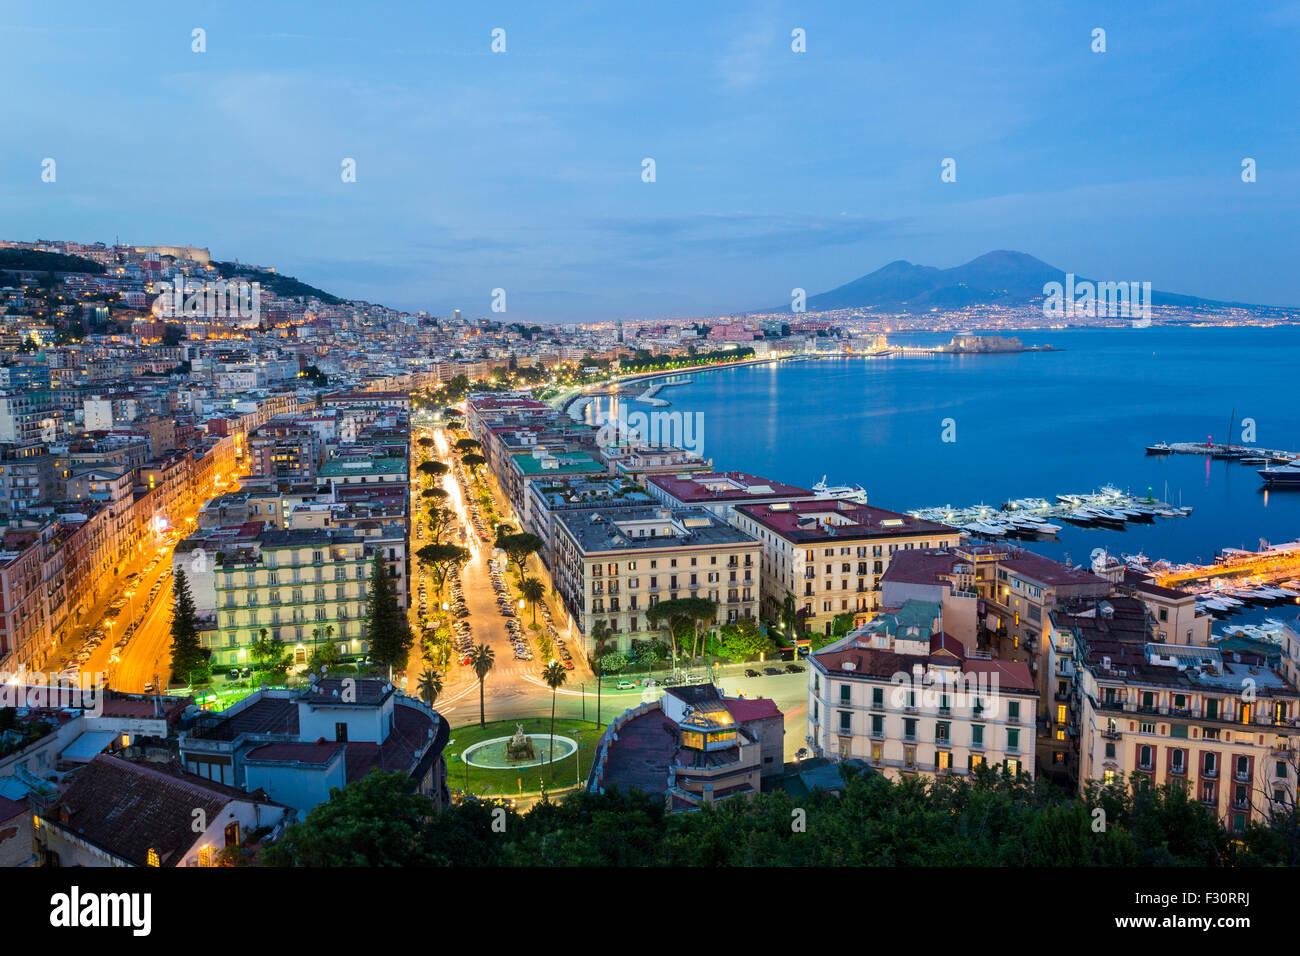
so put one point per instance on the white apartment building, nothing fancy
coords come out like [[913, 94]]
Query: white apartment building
[[902, 695]]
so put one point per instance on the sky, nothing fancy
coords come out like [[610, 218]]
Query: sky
[[523, 170]]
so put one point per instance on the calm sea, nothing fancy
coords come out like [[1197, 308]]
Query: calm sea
[[1029, 424]]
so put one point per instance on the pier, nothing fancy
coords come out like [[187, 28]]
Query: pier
[[1247, 454]]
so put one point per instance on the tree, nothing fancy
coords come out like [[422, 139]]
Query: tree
[[440, 520], [432, 469], [744, 639], [430, 685], [481, 659], [687, 612], [374, 821], [518, 547], [187, 656], [268, 653], [533, 591], [424, 441], [389, 632], [555, 675], [600, 635], [443, 559], [473, 462], [464, 445], [323, 655]]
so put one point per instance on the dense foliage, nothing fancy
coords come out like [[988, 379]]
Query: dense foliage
[[988, 820]]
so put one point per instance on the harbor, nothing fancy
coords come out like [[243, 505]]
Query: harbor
[[1037, 518], [1238, 579]]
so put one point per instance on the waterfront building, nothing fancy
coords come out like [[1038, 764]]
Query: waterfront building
[[903, 696], [1221, 724], [829, 556]]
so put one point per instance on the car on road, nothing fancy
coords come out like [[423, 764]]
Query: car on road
[[750, 672], [771, 671], [793, 669], [626, 685]]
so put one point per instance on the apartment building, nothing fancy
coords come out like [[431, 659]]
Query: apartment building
[[303, 587], [1222, 724], [903, 696], [614, 566], [721, 491], [559, 495], [830, 555]]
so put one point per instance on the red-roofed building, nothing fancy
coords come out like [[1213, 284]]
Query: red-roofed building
[[721, 491], [117, 813], [907, 699], [830, 555], [693, 746]]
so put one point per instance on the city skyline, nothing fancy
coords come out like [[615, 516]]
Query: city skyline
[[773, 168]]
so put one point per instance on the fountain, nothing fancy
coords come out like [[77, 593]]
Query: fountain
[[520, 746], [517, 752]]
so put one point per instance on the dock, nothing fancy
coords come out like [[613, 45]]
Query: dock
[[1247, 454]]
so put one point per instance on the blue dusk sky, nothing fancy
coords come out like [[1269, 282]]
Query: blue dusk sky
[[773, 169]]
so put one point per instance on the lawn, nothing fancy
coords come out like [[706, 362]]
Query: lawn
[[511, 782]]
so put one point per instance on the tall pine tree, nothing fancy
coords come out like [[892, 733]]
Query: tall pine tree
[[390, 633], [187, 657]]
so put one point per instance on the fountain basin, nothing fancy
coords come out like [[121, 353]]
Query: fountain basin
[[491, 754]]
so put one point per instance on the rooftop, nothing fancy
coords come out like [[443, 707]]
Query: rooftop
[[830, 520]]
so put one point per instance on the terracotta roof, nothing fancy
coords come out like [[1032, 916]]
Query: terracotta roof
[[127, 809], [745, 709]]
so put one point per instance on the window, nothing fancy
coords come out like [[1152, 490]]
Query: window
[[1146, 758], [977, 735], [341, 731], [1013, 741], [846, 722]]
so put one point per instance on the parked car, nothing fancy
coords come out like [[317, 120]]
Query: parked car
[[626, 685], [793, 669], [750, 672], [772, 671]]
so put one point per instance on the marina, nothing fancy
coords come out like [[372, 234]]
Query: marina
[[1238, 579], [1036, 518]]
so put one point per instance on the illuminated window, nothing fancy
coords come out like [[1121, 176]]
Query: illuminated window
[[205, 856], [152, 859]]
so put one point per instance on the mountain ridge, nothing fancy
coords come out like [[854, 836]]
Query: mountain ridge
[[1002, 277]]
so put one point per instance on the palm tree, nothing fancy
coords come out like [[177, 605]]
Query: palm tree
[[600, 635], [554, 674], [533, 591], [481, 660], [430, 685]]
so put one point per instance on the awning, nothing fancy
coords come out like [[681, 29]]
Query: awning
[[90, 743]]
